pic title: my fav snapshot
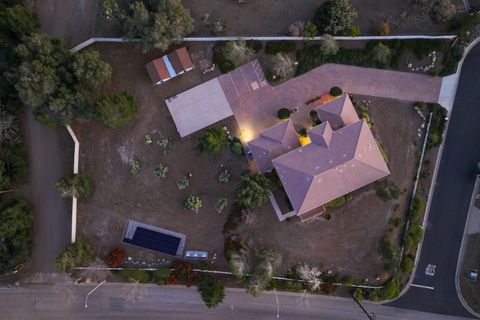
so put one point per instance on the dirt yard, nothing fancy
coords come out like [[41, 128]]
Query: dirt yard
[[338, 244]]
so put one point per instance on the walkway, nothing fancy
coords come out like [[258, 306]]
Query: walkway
[[255, 103], [437, 265]]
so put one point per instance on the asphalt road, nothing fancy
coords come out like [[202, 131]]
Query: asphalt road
[[451, 198], [121, 301], [51, 156]]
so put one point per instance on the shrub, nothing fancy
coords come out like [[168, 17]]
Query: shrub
[[75, 185], [407, 264], [255, 45], [193, 203], [223, 64], [183, 183], [161, 170], [219, 27], [340, 201], [413, 237], [383, 28], [253, 190], [328, 46], [213, 141], [335, 16], [442, 11], [183, 271], [211, 290], [238, 52], [387, 190], [296, 29], [282, 65], [336, 91], [142, 276], [74, 255], [348, 280], [390, 290], [117, 110], [268, 259], [396, 222], [134, 166], [115, 258], [417, 208], [221, 204], [274, 47], [381, 54], [224, 176], [303, 132], [437, 125], [234, 219], [309, 30], [236, 147], [463, 23], [390, 253], [284, 113], [354, 31], [161, 275]]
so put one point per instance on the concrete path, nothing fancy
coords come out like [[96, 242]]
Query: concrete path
[[255, 103], [51, 156]]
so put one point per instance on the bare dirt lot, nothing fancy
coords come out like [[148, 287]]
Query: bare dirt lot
[[346, 243]]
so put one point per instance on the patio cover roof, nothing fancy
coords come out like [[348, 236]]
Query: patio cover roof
[[199, 107]]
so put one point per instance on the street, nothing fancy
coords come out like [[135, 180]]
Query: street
[[125, 301], [434, 281]]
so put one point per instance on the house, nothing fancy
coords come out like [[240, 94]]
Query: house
[[169, 66], [272, 143], [336, 162]]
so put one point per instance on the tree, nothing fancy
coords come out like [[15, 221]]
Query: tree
[[310, 274], [115, 257], [381, 54], [238, 52], [9, 128], [15, 22], [5, 181], [90, 69], [238, 264], [75, 255], [211, 290], [309, 30], [296, 28], [443, 11], [328, 46], [75, 185], [268, 260], [116, 111], [213, 141], [157, 25], [15, 233], [284, 113], [336, 91], [282, 65], [253, 190], [335, 16], [383, 28], [193, 203]]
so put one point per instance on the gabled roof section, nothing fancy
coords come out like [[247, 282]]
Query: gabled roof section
[[169, 66], [339, 112], [313, 175], [157, 70], [321, 134], [273, 142], [180, 60]]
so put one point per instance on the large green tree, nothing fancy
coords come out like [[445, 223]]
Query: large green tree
[[335, 16], [15, 234], [76, 254], [75, 185], [253, 190], [90, 69], [211, 290], [117, 110], [157, 24]]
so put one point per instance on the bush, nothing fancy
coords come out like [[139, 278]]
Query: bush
[[223, 64], [437, 126], [381, 54], [211, 290], [221, 204], [340, 201], [407, 264], [417, 209], [160, 276], [389, 290], [253, 191], [183, 183], [328, 46], [387, 190], [224, 176], [255, 45], [383, 28], [142, 276], [161, 170], [390, 253], [75, 185], [396, 222], [303, 132], [335, 16], [309, 30], [213, 141], [336, 91], [284, 113], [442, 11], [76, 254], [413, 237], [183, 272], [238, 52], [134, 166], [463, 23], [236, 147], [115, 258], [354, 31], [282, 66], [117, 110], [193, 203], [234, 219], [274, 47]]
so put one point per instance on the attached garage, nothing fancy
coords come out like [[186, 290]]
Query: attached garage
[[199, 107]]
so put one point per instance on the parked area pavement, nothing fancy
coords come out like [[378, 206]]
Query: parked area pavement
[[131, 301], [433, 288], [255, 103], [51, 156]]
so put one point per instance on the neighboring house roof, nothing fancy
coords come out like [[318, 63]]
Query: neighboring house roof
[[169, 66], [180, 60], [334, 164], [339, 112], [273, 142]]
